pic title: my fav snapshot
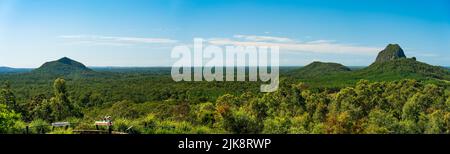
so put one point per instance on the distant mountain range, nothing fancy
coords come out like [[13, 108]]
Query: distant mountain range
[[390, 64], [14, 70]]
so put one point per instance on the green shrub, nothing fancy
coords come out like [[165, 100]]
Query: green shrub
[[149, 124], [18, 128], [84, 125], [241, 122], [277, 125], [300, 124], [127, 126], [8, 119], [175, 127], [62, 131], [205, 130], [319, 128], [39, 126], [205, 114], [167, 127]]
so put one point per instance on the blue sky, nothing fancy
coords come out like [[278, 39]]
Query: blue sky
[[143, 32]]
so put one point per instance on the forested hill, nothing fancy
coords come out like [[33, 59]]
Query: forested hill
[[404, 68], [391, 64], [64, 67], [317, 69]]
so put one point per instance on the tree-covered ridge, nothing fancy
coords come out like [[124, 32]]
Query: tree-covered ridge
[[63, 67], [391, 64], [317, 68], [4, 70], [404, 68]]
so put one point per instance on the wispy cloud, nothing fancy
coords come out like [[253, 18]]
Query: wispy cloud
[[115, 40], [321, 41], [263, 38], [287, 44]]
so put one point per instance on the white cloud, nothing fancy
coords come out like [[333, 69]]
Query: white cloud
[[115, 40], [287, 44], [263, 38], [321, 41]]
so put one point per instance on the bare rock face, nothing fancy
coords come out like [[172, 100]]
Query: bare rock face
[[391, 52]]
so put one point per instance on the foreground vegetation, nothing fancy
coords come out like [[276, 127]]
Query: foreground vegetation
[[153, 104], [395, 95]]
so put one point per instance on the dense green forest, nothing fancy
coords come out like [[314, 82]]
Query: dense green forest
[[405, 106], [398, 95]]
